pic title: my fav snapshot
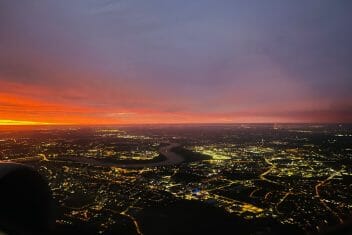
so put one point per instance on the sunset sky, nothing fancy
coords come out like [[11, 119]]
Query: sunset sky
[[181, 61]]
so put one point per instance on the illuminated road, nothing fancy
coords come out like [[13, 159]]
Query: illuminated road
[[317, 193], [272, 167]]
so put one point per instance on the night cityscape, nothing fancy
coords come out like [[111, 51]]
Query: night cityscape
[[176, 117], [257, 179]]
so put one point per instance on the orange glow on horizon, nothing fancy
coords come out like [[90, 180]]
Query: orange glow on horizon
[[34, 105], [23, 123]]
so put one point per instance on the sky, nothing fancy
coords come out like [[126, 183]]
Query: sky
[[163, 61]]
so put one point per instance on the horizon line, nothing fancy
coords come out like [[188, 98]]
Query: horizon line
[[172, 123]]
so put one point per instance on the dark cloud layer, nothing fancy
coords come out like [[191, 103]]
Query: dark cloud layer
[[219, 57]]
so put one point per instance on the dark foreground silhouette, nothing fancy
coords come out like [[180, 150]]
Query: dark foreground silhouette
[[26, 205]]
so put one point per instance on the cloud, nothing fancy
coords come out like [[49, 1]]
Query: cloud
[[176, 60]]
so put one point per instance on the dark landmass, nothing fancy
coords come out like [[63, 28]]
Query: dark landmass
[[189, 155], [192, 217]]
